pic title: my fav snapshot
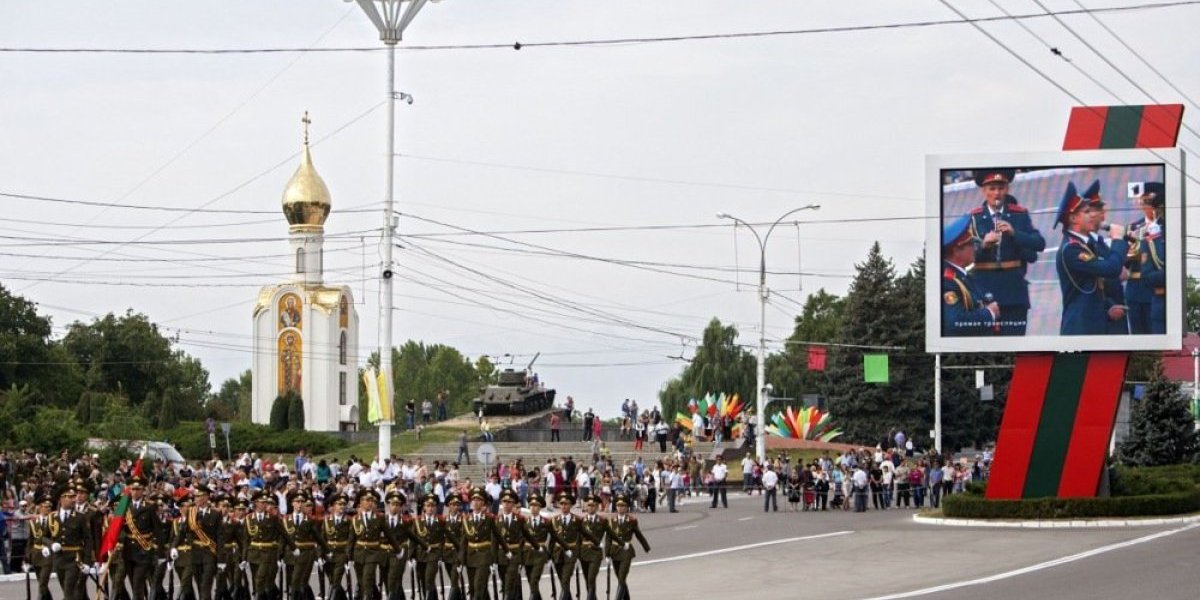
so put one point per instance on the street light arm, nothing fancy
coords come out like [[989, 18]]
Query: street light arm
[[761, 247], [786, 215]]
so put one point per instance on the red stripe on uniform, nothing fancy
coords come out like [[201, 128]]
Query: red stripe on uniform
[[1094, 419], [1019, 427], [1160, 126], [1085, 128]]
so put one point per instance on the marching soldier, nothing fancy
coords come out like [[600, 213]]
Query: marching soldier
[[1153, 260], [69, 540], [966, 309], [181, 550], [162, 540], [452, 549], [1009, 243], [37, 552], [512, 536], [232, 512], [305, 545], [398, 530], [262, 540], [202, 531], [622, 529], [592, 553], [569, 538], [479, 537], [429, 538], [139, 546], [339, 536], [367, 552], [95, 529], [542, 537], [1081, 271]]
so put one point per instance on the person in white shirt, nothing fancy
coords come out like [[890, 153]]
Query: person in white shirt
[[748, 474], [676, 487], [719, 472], [860, 489], [770, 481]]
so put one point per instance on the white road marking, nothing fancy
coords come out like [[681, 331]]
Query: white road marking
[[1036, 567], [682, 527], [739, 548], [745, 518]]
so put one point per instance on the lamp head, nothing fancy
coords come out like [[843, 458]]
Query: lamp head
[[722, 215]]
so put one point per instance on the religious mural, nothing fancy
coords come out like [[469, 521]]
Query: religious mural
[[289, 311], [290, 355], [343, 312]]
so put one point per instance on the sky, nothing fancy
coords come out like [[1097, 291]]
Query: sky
[[599, 144]]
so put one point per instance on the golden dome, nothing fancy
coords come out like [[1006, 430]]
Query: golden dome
[[306, 200]]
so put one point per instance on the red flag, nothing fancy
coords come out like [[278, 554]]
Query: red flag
[[113, 532], [816, 358]]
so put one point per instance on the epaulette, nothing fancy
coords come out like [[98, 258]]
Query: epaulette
[[1017, 208], [948, 274], [977, 210]]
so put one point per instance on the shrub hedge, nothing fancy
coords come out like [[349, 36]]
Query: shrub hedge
[[191, 439], [1137, 492]]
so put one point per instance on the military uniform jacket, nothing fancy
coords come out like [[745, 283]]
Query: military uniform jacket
[[1135, 290], [428, 538], [399, 536], [512, 537], [595, 528], [231, 544], [370, 538], [201, 529], [480, 539], [621, 532], [338, 534], [1001, 268], [452, 548], [305, 536], [139, 534], [962, 314], [542, 537], [1081, 274], [262, 537], [1154, 266], [39, 532], [74, 534], [569, 534]]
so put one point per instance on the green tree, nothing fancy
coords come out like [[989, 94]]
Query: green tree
[[232, 400], [168, 412], [29, 357], [819, 323], [1161, 429], [279, 413], [295, 412], [720, 365], [421, 371], [1192, 305]]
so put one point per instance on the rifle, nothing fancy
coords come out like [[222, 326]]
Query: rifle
[[441, 580], [578, 586], [413, 579], [170, 580], [553, 583], [28, 591], [321, 577], [495, 586], [608, 580]]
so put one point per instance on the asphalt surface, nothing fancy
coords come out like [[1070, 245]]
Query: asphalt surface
[[743, 552]]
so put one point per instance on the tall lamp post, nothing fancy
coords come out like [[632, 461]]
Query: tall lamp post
[[390, 17], [760, 437]]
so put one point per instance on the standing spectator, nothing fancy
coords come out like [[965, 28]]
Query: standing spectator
[[770, 483], [18, 533], [485, 429], [660, 435], [441, 405], [570, 409], [916, 483], [597, 424], [463, 455], [748, 474], [902, 485], [410, 413], [6, 515], [588, 417], [555, 422], [935, 486], [719, 472], [676, 488], [427, 411], [860, 484], [639, 434]]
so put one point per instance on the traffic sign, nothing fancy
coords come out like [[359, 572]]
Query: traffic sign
[[486, 453]]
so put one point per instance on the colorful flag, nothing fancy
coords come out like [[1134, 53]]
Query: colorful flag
[[373, 412], [385, 398], [875, 368], [113, 532], [816, 358]]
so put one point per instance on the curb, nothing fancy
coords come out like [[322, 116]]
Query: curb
[[1056, 524]]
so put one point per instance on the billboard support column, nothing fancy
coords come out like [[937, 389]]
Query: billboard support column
[[937, 402]]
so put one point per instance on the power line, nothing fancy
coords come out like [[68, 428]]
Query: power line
[[214, 211], [596, 42]]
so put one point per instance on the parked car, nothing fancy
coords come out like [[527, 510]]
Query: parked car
[[155, 451]]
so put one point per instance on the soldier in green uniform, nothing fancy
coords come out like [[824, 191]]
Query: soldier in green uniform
[[139, 545], [202, 531], [70, 542], [37, 551], [338, 536], [452, 548], [262, 540], [513, 538], [181, 550], [227, 559], [367, 551], [569, 538], [396, 545], [304, 544], [95, 521], [115, 563], [162, 541], [479, 537], [622, 529], [429, 537], [592, 554], [542, 538]]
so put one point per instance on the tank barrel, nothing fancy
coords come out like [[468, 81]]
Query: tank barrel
[[530, 365]]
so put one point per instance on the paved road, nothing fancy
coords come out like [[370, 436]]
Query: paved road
[[884, 554]]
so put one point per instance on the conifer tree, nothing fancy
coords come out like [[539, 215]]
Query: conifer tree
[[1161, 429]]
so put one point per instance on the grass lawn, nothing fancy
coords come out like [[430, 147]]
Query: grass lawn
[[798, 456], [404, 444]]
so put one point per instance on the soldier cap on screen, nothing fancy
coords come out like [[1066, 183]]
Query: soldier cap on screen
[[1155, 194], [1071, 202], [957, 232], [1092, 194], [986, 176]]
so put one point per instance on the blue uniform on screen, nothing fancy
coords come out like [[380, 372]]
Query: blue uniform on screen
[[1081, 269], [967, 309], [1147, 306], [1116, 310], [1009, 242]]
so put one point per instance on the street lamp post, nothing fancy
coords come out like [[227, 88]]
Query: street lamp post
[[760, 437], [390, 18]]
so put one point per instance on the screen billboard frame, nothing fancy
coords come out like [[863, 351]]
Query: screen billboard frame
[[1173, 163]]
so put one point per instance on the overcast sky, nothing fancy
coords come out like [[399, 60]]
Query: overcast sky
[[565, 138]]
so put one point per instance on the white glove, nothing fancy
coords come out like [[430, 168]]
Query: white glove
[[628, 545], [329, 556], [45, 552], [508, 555], [495, 569], [350, 563], [162, 560], [244, 565], [412, 562], [96, 570], [296, 552], [220, 566], [570, 554], [174, 554], [56, 547], [101, 568]]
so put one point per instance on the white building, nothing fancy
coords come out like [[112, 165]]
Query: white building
[[306, 332]]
